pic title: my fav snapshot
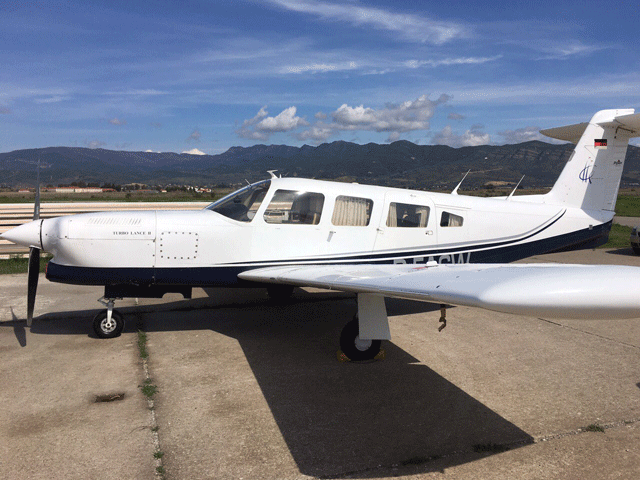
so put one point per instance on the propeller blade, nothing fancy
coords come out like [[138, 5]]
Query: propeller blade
[[32, 276], [34, 259]]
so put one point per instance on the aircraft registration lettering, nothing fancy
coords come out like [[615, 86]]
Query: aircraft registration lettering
[[448, 258]]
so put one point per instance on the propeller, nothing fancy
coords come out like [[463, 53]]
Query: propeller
[[34, 260]]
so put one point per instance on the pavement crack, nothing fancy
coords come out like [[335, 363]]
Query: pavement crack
[[480, 450], [402, 467], [580, 431], [585, 332], [149, 390]]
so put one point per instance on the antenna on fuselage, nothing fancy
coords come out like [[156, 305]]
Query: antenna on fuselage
[[514, 190], [455, 190], [273, 173]]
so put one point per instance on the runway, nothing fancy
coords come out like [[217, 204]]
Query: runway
[[248, 388]]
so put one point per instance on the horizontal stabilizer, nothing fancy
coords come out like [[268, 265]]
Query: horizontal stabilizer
[[630, 123], [541, 290], [570, 133], [573, 133]]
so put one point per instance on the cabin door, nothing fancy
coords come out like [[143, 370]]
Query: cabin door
[[407, 226]]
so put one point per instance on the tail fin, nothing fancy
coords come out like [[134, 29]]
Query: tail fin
[[591, 178]]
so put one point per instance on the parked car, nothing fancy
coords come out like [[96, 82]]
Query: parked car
[[635, 239]]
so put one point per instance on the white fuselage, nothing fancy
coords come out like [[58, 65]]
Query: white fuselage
[[444, 228]]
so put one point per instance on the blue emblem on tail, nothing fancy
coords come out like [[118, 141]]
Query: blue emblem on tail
[[584, 174]]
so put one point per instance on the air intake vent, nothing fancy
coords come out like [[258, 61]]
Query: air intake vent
[[114, 221]]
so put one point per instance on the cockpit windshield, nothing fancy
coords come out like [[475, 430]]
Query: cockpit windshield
[[242, 204]]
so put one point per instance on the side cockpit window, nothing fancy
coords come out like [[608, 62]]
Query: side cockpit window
[[451, 220], [243, 204], [294, 207], [406, 215], [352, 211]]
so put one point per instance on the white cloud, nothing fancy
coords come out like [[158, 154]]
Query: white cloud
[[412, 27], [317, 134], [606, 87], [525, 134], [285, 121], [471, 138], [564, 51], [405, 117], [450, 61], [320, 67], [138, 92], [53, 99], [94, 143], [394, 119], [20, 91], [117, 122], [193, 151], [455, 116], [393, 137], [262, 126], [194, 137], [247, 130]]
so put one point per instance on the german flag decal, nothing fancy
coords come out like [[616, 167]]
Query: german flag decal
[[600, 143]]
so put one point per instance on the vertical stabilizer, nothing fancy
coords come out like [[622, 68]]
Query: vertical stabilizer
[[591, 178]]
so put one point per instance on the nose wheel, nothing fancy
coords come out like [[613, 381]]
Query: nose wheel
[[109, 323]]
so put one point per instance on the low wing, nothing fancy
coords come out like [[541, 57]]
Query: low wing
[[543, 290]]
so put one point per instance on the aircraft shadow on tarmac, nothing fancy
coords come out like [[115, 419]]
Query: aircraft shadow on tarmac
[[339, 419], [622, 251]]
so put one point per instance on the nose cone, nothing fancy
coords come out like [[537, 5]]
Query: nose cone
[[27, 235]]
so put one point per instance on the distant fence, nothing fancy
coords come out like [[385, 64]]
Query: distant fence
[[15, 214]]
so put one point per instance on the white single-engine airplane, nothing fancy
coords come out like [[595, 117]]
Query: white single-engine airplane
[[373, 241]]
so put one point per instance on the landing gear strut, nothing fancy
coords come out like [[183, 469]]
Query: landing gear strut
[[353, 346], [108, 324]]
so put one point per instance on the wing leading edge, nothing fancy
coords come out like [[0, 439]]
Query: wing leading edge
[[542, 290]]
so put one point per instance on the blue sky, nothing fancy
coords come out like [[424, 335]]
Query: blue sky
[[208, 75]]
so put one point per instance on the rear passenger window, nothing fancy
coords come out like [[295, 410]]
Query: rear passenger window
[[450, 220], [352, 211], [292, 207], [407, 215]]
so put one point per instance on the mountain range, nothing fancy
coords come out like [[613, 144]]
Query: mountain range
[[400, 163]]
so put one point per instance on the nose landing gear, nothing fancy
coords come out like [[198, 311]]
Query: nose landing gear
[[110, 323]]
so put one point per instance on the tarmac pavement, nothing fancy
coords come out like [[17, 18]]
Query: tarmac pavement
[[249, 388]]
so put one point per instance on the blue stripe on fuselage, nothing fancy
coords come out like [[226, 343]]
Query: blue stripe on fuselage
[[227, 275]]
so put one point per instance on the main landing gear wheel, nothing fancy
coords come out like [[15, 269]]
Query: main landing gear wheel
[[105, 328], [355, 348]]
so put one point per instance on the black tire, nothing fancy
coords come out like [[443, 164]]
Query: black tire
[[279, 293], [354, 348], [636, 250], [104, 330]]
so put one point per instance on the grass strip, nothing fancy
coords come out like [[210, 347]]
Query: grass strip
[[618, 237], [16, 264], [628, 206]]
